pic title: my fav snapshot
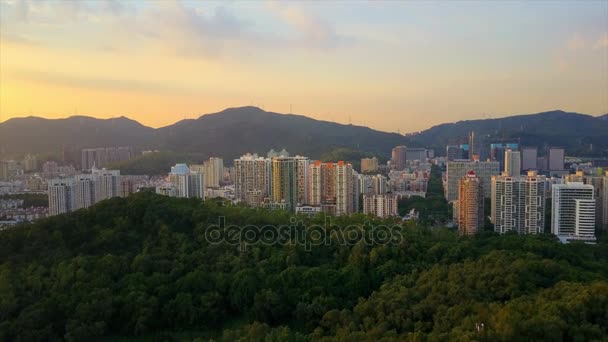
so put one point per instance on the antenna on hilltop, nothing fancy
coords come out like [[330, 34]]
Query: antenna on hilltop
[[349, 120], [290, 111]]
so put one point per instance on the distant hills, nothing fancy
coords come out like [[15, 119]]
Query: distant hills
[[229, 133], [235, 131], [580, 134]]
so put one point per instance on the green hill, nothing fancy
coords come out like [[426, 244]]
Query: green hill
[[144, 267]]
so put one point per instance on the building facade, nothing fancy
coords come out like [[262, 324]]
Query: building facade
[[380, 205], [570, 216], [518, 203], [470, 204], [456, 170]]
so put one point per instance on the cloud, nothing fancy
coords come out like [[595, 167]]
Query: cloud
[[95, 83], [312, 30], [602, 42], [576, 42]]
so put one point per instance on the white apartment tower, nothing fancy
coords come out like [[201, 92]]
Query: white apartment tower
[[573, 212], [61, 196]]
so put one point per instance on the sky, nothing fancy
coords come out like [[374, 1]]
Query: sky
[[393, 66]]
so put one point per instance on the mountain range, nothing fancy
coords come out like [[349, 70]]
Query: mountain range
[[235, 131]]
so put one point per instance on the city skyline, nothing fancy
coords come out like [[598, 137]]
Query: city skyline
[[388, 66]]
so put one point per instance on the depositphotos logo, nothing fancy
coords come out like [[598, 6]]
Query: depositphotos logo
[[298, 233]]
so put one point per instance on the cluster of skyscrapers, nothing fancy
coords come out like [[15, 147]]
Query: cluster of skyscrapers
[[579, 202], [194, 181], [84, 190]]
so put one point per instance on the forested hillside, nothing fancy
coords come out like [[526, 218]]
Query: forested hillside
[[143, 267]]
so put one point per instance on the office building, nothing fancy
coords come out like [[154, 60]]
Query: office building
[[470, 204], [252, 173], [380, 205], [369, 165], [555, 158], [573, 210], [458, 169], [518, 203], [412, 154], [600, 188], [512, 162], [497, 152], [471, 145], [454, 152], [399, 157], [529, 156]]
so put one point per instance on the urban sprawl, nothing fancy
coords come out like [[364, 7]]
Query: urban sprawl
[[523, 186]]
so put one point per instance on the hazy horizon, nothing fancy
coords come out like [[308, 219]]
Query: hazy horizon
[[390, 66], [300, 114]]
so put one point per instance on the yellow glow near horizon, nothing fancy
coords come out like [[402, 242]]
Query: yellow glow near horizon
[[376, 80]]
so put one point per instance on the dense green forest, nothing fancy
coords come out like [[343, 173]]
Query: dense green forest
[[155, 163], [143, 267]]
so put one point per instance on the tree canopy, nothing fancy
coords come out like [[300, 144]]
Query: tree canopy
[[144, 266]]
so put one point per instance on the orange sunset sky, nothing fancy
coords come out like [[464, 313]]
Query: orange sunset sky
[[388, 65]]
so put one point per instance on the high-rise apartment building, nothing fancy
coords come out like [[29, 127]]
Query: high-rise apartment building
[[99, 157], [369, 165], [302, 164], [213, 171], [252, 173], [512, 162], [30, 163], [380, 205], [470, 204], [399, 157], [284, 182], [331, 186], [605, 202], [573, 210], [82, 190], [107, 183], [379, 184], [518, 203], [529, 157], [4, 170], [187, 184], [61, 193], [458, 169], [344, 188]]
